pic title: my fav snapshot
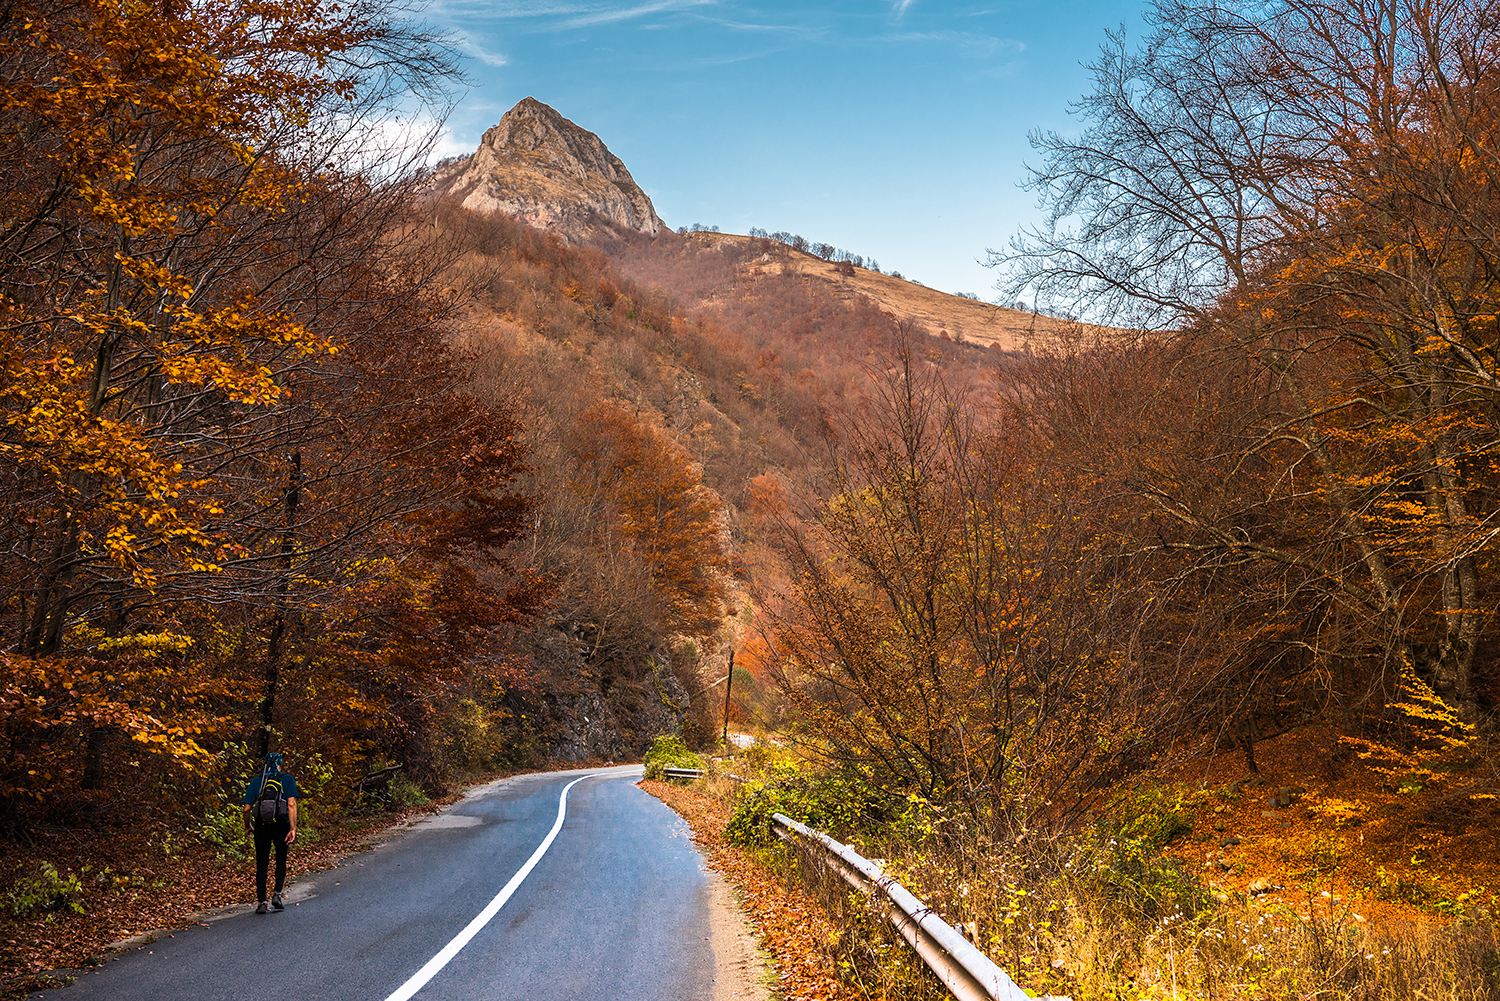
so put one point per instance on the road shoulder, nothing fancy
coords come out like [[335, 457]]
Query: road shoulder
[[741, 969], [788, 925]]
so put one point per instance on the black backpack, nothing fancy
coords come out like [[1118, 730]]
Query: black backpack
[[270, 804]]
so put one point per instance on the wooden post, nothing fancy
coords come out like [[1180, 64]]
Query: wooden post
[[728, 684]]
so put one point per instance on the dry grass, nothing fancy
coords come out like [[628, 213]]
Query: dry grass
[[951, 316], [1094, 921]]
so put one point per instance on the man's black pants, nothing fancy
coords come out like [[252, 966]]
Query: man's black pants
[[267, 835]]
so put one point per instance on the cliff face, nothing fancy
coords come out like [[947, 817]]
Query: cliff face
[[537, 165]]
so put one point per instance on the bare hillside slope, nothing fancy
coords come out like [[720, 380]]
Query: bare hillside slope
[[942, 314]]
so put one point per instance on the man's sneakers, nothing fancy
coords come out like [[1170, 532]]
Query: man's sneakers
[[261, 907]]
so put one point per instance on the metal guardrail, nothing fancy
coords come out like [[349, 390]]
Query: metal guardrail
[[682, 773], [967, 973]]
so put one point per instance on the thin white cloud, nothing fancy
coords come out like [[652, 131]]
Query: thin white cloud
[[742, 57], [542, 9], [789, 29], [467, 43], [615, 14], [901, 7], [573, 14]]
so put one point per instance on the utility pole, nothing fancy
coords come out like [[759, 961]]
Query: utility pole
[[729, 684]]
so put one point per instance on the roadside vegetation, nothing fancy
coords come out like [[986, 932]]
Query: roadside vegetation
[[666, 752], [1184, 884]]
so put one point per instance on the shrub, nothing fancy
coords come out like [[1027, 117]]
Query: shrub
[[843, 804], [317, 794], [1138, 878], [223, 825], [44, 892], [1127, 862], [223, 830], [315, 781], [668, 751], [404, 792], [307, 833], [470, 745]]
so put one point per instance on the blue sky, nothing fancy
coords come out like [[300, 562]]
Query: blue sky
[[893, 128]]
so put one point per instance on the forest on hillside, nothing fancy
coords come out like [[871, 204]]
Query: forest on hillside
[[1276, 507], [1009, 583], [296, 457]]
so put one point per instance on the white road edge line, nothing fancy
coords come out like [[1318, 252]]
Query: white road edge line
[[436, 963]]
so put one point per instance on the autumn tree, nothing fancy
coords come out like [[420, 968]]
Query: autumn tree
[[1310, 188], [657, 500], [166, 263], [955, 620], [1243, 641], [228, 398]]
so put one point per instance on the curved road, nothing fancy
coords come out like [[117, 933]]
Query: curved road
[[616, 907]]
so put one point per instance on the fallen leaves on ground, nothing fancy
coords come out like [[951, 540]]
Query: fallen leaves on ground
[[1350, 848], [791, 925]]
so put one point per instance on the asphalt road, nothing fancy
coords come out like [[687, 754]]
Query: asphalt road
[[616, 907]]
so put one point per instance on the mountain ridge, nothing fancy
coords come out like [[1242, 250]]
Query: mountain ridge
[[939, 314], [548, 172], [554, 175]]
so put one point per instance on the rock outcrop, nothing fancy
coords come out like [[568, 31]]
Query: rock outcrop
[[540, 167], [577, 720]]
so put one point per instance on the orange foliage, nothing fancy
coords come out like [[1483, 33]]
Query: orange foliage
[[227, 410], [657, 496]]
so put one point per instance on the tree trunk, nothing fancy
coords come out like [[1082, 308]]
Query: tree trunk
[[93, 765], [293, 497], [49, 609], [1247, 733]]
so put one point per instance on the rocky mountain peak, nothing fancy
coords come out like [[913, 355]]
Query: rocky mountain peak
[[537, 165]]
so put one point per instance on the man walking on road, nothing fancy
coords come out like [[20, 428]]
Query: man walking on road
[[270, 808]]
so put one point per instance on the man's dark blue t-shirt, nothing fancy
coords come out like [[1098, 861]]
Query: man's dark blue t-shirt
[[288, 787]]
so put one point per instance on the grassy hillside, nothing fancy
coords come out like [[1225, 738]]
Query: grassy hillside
[[942, 315]]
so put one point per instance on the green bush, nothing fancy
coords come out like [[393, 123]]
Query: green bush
[[223, 824], [223, 830], [842, 804], [315, 782], [471, 743], [404, 792], [317, 794], [668, 751], [44, 892], [1128, 863], [1156, 827]]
